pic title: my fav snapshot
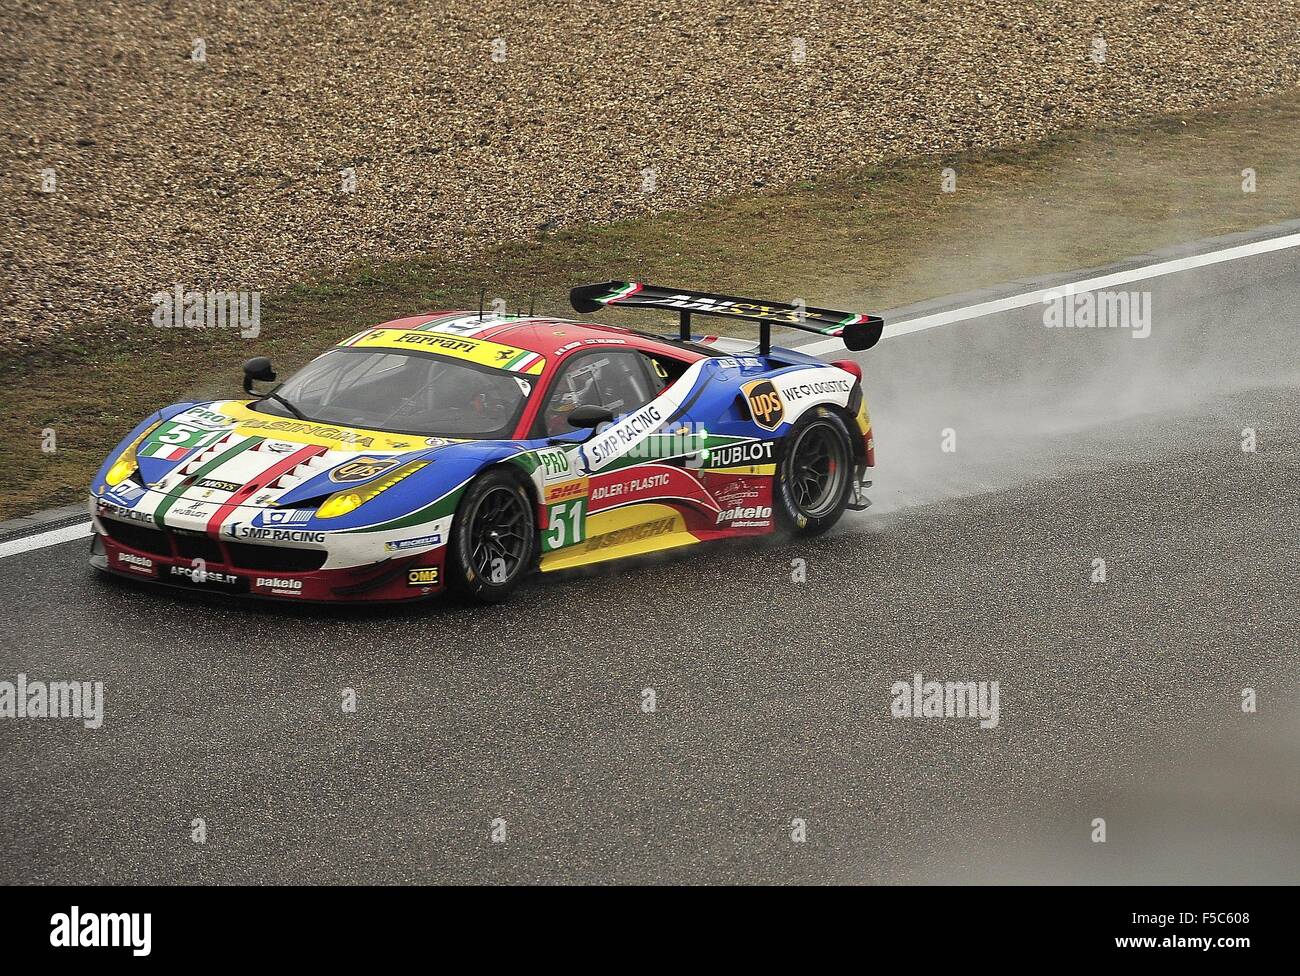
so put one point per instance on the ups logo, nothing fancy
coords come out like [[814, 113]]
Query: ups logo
[[361, 469], [765, 404]]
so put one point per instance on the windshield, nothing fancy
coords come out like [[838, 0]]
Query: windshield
[[408, 393]]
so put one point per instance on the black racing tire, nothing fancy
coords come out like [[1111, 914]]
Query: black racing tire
[[814, 473], [493, 537]]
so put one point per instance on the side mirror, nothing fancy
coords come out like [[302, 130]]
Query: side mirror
[[589, 416], [257, 370]]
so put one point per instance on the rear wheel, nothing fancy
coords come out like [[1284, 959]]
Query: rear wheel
[[493, 537], [814, 475]]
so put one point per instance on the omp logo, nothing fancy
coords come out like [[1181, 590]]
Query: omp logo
[[765, 404], [428, 576], [73, 930]]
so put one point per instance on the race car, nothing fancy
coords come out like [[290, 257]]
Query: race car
[[461, 451]]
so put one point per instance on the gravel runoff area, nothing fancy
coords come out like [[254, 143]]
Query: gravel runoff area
[[468, 123]]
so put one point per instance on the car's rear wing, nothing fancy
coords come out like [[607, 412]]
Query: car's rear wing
[[858, 331]]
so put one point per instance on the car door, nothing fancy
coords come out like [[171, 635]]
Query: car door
[[618, 380], [592, 515]]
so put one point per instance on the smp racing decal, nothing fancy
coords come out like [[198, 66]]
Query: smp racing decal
[[631, 430], [599, 451], [238, 530], [765, 404]]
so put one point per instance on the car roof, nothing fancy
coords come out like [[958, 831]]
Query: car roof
[[552, 338]]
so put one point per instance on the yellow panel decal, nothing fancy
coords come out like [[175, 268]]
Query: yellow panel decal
[[250, 422], [630, 531], [750, 470], [478, 351]]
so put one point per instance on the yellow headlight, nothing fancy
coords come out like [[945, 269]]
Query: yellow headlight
[[125, 464], [350, 499], [339, 504]]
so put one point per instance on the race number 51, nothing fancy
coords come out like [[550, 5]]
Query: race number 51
[[566, 524]]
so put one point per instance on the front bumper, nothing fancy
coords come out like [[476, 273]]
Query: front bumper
[[198, 562]]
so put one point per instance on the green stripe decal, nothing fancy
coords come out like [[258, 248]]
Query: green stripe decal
[[174, 495]]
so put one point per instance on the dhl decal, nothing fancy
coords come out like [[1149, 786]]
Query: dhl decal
[[565, 490]]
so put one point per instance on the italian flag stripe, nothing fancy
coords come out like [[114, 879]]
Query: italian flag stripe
[[174, 495], [522, 361], [631, 288]]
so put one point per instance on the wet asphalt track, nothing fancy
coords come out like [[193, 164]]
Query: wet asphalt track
[[772, 697]]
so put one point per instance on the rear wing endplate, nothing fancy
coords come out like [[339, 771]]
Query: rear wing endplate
[[858, 331]]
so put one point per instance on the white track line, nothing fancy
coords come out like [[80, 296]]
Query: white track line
[[894, 329], [53, 537], [56, 536]]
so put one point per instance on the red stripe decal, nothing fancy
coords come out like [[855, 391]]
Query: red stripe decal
[[288, 463]]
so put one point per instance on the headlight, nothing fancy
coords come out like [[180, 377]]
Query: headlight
[[350, 499], [125, 464]]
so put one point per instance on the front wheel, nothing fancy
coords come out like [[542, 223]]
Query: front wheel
[[814, 475], [493, 537]]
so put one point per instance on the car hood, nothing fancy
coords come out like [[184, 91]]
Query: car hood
[[208, 465]]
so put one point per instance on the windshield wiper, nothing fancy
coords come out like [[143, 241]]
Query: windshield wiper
[[285, 403]]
